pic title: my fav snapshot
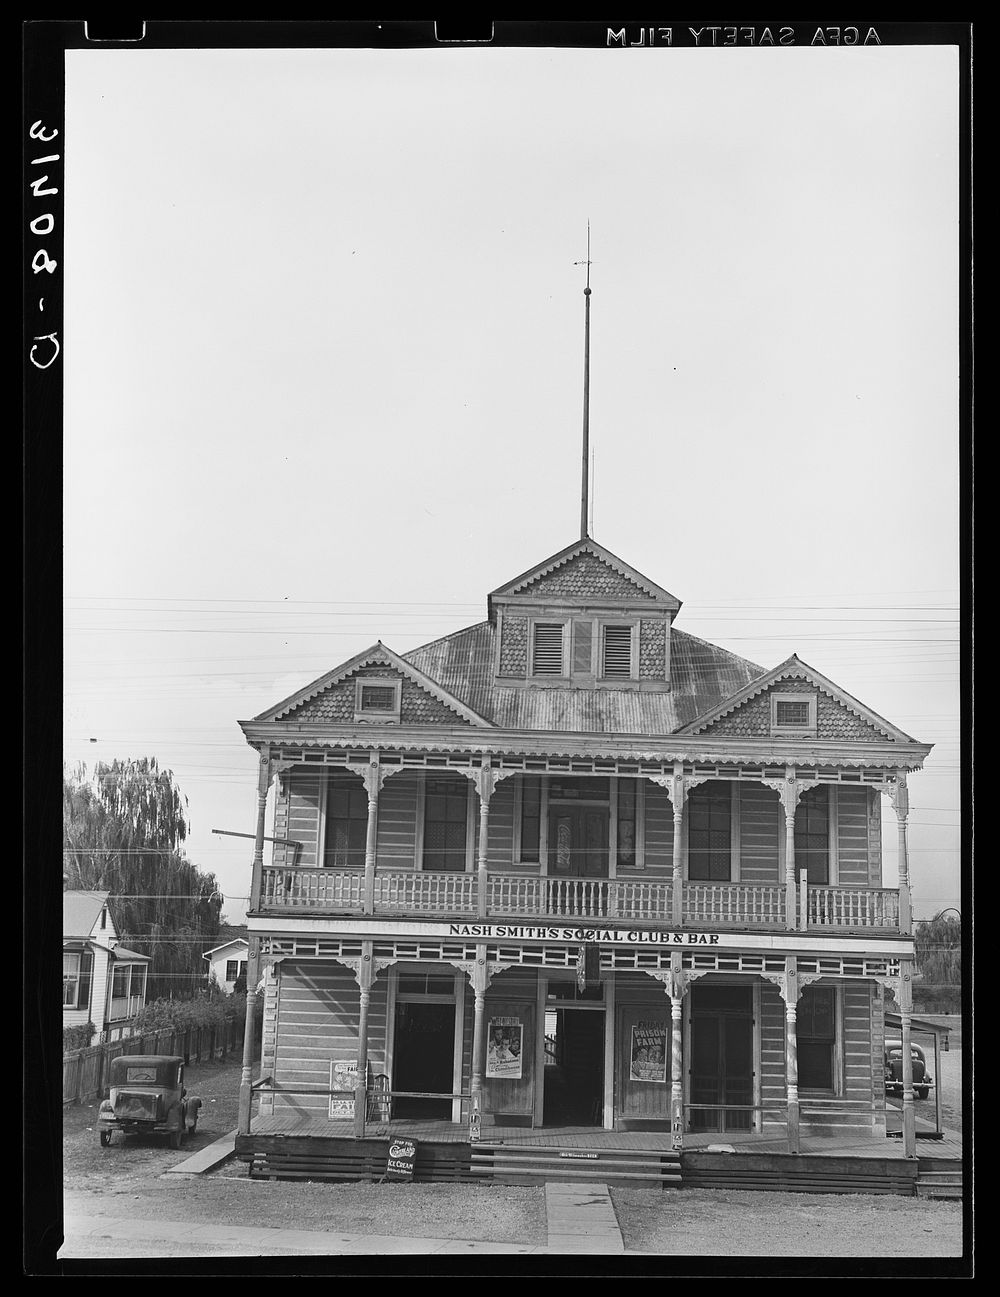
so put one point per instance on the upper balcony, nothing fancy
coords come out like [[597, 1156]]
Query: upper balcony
[[399, 893]]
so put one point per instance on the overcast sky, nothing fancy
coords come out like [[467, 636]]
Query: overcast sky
[[324, 355]]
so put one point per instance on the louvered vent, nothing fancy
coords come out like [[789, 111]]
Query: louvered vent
[[618, 651], [547, 653]]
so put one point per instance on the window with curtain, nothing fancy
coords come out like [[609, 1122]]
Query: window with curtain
[[77, 969], [446, 818], [710, 813]]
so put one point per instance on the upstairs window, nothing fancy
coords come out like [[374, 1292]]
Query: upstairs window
[[346, 823], [547, 649], [531, 818], [617, 653], [446, 821], [710, 833], [793, 715], [812, 835], [377, 700]]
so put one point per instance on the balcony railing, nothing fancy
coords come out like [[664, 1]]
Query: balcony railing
[[736, 905]]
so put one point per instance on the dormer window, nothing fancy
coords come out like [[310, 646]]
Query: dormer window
[[793, 714], [616, 652], [377, 700], [547, 649]]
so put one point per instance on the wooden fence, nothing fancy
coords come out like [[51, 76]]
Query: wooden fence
[[86, 1071]]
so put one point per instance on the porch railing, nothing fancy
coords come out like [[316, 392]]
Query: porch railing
[[743, 905]]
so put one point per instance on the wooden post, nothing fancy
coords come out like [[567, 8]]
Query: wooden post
[[901, 801], [905, 1014], [480, 981], [246, 1073], [485, 787], [676, 989], [677, 794], [790, 992], [789, 797], [803, 899], [365, 974], [373, 783]]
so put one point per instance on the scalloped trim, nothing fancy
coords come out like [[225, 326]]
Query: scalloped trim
[[588, 547], [386, 659], [800, 673]]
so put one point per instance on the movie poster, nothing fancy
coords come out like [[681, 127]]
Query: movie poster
[[649, 1051], [503, 1052]]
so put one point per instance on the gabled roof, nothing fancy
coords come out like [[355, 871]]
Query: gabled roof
[[794, 668], [236, 941], [129, 956], [81, 910], [633, 583], [377, 655]]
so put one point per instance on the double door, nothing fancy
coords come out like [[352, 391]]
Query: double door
[[721, 1068]]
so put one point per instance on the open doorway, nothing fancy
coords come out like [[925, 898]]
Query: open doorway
[[574, 1067], [423, 1059]]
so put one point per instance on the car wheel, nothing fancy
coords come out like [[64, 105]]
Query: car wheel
[[105, 1138], [193, 1127], [176, 1137], [921, 1091]]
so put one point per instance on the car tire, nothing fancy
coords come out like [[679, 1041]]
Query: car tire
[[921, 1091], [105, 1137], [193, 1127]]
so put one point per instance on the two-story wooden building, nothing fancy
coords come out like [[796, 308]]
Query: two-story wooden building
[[574, 867]]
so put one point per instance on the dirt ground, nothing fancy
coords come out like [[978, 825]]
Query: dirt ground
[[127, 1180]]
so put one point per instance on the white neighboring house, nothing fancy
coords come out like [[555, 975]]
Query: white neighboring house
[[103, 982], [227, 962]]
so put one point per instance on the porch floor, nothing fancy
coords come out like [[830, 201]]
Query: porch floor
[[833, 1144]]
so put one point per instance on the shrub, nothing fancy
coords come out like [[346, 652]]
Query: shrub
[[78, 1037]]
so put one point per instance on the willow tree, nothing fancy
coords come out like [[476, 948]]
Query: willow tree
[[123, 829]]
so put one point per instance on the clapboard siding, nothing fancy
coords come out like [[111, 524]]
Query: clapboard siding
[[317, 1023], [303, 801], [397, 821], [772, 1056], [658, 828], [501, 830], [760, 833], [852, 836]]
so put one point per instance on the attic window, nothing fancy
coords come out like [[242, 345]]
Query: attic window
[[793, 714], [547, 649], [377, 700], [617, 662]]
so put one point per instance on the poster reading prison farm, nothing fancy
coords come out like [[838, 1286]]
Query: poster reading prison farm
[[649, 1052], [503, 1053]]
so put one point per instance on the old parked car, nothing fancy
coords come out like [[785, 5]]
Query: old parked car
[[922, 1079], [147, 1097]]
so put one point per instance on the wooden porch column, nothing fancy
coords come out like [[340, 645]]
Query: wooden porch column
[[678, 794], [676, 989], [365, 974], [905, 1015], [246, 1074], [372, 775], [789, 800], [790, 994], [484, 785], [480, 977], [901, 803]]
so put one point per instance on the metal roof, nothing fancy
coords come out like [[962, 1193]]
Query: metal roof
[[701, 676]]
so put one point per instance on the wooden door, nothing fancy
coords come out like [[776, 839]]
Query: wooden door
[[721, 1067], [578, 841]]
